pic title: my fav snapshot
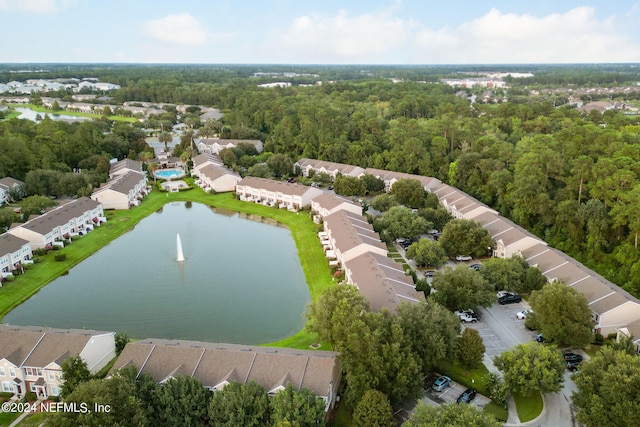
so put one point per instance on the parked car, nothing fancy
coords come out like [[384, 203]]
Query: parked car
[[315, 184], [475, 267], [572, 358], [463, 258], [465, 317], [467, 396], [429, 273], [500, 294], [573, 366], [472, 314], [523, 314], [509, 299], [330, 187], [441, 383], [540, 338]]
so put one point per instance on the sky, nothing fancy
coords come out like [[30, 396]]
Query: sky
[[403, 32]]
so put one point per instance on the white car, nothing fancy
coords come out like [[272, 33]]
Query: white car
[[463, 258], [500, 294], [465, 317], [523, 314]]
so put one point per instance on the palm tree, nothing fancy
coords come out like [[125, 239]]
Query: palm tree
[[166, 138]]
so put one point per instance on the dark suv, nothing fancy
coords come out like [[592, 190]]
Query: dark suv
[[468, 395], [572, 358], [509, 299]]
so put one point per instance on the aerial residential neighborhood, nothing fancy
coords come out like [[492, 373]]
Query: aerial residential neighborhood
[[358, 215]]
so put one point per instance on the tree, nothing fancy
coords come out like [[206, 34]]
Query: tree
[[532, 368], [409, 192], [512, 274], [399, 221], [465, 237], [431, 331], [372, 183], [35, 205], [300, 408], [181, 401], [438, 216], [75, 372], [121, 341], [383, 202], [260, 170], [349, 186], [339, 301], [470, 348], [373, 409], [280, 164], [427, 252], [119, 392], [462, 288], [563, 315], [55, 106], [166, 138], [7, 217], [496, 387], [607, 389], [450, 415], [238, 404]]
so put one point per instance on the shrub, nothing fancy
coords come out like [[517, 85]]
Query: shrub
[[30, 396], [40, 252], [598, 339], [9, 278], [60, 257]]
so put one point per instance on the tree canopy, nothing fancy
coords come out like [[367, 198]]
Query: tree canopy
[[400, 221], [450, 415], [461, 288], [427, 252], [562, 314], [608, 392], [465, 237], [532, 368]]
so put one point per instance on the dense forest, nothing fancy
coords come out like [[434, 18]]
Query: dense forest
[[571, 177]]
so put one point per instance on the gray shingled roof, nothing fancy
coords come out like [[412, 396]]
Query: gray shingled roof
[[60, 215], [10, 243], [214, 363]]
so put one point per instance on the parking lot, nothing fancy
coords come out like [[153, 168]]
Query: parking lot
[[450, 394]]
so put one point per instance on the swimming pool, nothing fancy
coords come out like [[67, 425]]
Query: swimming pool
[[169, 173]]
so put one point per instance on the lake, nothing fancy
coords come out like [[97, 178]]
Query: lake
[[29, 114], [241, 281]]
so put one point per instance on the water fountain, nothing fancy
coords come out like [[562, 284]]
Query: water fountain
[[179, 244]]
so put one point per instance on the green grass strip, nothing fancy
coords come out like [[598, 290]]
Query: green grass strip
[[528, 407], [303, 231]]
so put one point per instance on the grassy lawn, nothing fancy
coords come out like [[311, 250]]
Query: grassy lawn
[[529, 407], [474, 378], [498, 411], [41, 109], [303, 230], [6, 418]]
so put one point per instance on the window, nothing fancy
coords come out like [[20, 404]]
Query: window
[[32, 387], [30, 372], [2, 373], [52, 376], [40, 372], [55, 390], [7, 387], [12, 372]]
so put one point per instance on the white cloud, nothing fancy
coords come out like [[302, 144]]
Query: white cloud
[[339, 38], [576, 36], [182, 29], [41, 7]]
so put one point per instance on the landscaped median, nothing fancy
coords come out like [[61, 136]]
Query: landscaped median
[[303, 230]]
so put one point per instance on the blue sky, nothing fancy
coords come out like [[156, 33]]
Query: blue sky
[[320, 32]]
